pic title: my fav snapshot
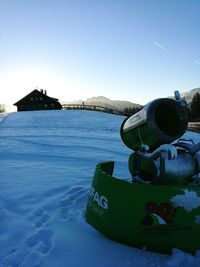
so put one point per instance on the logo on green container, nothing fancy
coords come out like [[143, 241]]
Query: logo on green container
[[100, 200], [158, 213]]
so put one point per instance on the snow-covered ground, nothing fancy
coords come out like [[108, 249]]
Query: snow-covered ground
[[47, 161]]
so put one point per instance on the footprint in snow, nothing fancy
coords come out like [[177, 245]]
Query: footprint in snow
[[35, 246], [42, 240], [40, 218], [32, 251], [43, 235]]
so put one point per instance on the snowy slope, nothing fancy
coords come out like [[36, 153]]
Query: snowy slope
[[47, 160]]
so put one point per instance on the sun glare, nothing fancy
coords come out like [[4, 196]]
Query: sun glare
[[16, 84]]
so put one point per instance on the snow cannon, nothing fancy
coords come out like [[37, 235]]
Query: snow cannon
[[159, 122], [159, 208]]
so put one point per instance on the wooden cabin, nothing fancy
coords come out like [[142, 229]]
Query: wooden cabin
[[37, 100]]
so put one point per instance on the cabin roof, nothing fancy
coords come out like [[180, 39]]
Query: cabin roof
[[38, 93]]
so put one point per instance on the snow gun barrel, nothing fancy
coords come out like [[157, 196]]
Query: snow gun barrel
[[161, 121]]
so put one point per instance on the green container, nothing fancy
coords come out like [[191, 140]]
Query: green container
[[155, 217], [161, 121]]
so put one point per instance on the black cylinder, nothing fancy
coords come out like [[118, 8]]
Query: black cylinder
[[161, 121]]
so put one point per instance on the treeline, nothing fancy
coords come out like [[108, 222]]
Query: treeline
[[2, 108], [194, 109], [131, 111]]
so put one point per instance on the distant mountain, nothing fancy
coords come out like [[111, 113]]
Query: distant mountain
[[122, 104], [106, 102]]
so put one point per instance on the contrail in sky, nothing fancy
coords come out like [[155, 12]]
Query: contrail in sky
[[197, 62], [160, 46]]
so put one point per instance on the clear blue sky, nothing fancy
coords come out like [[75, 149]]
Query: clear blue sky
[[127, 50]]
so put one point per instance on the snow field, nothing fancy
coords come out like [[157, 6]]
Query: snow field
[[47, 161]]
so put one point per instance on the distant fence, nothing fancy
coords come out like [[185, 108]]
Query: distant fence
[[93, 108], [194, 126]]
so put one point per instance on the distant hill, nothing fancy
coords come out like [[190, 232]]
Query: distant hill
[[106, 102], [122, 104], [190, 94]]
